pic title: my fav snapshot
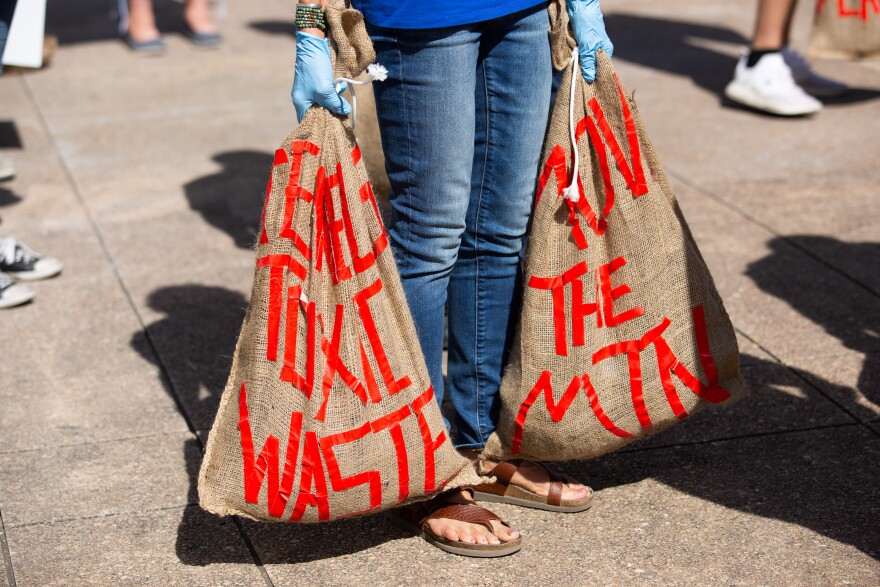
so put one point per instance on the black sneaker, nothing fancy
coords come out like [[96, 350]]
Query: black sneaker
[[25, 264], [12, 293]]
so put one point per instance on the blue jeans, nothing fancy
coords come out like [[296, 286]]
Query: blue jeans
[[462, 117]]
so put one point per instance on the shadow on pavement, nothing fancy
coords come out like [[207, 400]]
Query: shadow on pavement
[[677, 47], [273, 27], [823, 480], [8, 197], [196, 340], [232, 199], [9, 136], [823, 484], [778, 275], [667, 45]]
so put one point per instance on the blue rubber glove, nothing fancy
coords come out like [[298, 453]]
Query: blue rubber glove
[[313, 78], [589, 30]]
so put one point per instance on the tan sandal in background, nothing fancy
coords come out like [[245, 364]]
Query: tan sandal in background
[[415, 519], [505, 492]]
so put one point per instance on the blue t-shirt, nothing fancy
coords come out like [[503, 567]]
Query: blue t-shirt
[[419, 14]]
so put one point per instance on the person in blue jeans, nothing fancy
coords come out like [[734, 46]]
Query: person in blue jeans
[[462, 117]]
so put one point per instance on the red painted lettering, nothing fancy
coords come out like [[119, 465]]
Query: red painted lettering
[[609, 294], [431, 444], [668, 364], [558, 410], [312, 474], [266, 465], [362, 300], [277, 264], [280, 158]]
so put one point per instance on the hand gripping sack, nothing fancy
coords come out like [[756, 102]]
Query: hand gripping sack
[[846, 29], [622, 332], [328, 411]]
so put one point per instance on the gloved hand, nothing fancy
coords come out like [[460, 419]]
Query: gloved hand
[[313, 77], [589, 30]]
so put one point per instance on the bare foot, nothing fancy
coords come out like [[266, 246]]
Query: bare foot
[[470, 533], [198, 17], [535, 478], [141, 21]]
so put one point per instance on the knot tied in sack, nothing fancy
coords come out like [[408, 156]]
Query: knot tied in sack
[[376, 73]]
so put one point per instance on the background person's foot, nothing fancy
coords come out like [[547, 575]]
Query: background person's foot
[[143, 36], [7, 168], [769, 86], [13, 294], [201, 23], [809, 80], [23, 263]]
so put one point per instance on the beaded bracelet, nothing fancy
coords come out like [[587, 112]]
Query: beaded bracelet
[[310, 16]]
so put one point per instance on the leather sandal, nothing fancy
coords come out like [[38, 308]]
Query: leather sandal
[[415, 519], [505, 492]]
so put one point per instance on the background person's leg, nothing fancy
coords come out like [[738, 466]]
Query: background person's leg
[[772, 24], [426, 119], [763, 80], [200, 20], [514, 79], [141, 21]]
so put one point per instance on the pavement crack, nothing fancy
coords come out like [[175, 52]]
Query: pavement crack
[[7, 556], [796, 373], [250, 546], [93, 442], [742, 437]]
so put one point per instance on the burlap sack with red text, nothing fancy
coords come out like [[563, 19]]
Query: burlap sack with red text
[[846, 29], [622, 332], [328, 411]]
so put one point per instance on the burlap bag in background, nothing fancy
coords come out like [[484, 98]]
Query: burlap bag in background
[[563, 396], [845, 29], [328, 410]]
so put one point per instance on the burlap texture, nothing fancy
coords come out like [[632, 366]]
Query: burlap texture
[[668, 279], [365, 449], [561, 41], [849, 29], [352, 48]]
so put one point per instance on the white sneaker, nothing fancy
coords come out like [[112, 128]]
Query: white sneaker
[[7, 168], [12, 293], [769, 86], [25, 264], [809, 80]]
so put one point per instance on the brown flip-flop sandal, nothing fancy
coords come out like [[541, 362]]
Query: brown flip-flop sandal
[[415, 519], [505, 492]]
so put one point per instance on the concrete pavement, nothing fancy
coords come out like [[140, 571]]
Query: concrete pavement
[[145, 177]]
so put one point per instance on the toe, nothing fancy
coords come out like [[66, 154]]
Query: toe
[[466, 537], [504, 533], [576, 491]]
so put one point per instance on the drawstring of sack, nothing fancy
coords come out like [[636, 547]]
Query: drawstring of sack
[[572, 193], [376, 72]]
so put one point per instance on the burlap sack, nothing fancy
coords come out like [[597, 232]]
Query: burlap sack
[[328, 411], [622, 332], [846, 29]]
